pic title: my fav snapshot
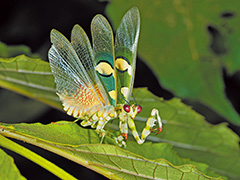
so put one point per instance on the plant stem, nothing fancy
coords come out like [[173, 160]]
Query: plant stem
[[8, 144]]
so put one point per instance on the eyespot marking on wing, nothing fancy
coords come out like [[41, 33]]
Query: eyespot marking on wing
[[122, 64], [104, 68]]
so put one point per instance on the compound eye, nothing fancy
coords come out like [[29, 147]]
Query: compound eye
[[139, 109], [126, 108]]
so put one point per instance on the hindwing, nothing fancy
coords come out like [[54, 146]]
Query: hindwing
[[77, 82]]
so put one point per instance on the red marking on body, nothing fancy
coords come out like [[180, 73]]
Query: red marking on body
[[156, 129], [125, 135], [159, 129]]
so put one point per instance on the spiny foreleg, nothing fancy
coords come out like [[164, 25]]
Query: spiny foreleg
[[151, 122], [154, 117]]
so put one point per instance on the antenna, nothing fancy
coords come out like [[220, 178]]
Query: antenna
[[134, 99], [125, 100]]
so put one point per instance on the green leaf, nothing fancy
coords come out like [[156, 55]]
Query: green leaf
[[71, 141], [8, 169], [176, 44], [11, 51], [183, 128], [191, 136], [29, 76], [166, 151]]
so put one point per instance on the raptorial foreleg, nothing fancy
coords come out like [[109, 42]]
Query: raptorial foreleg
[[151, 122], [154, 117]]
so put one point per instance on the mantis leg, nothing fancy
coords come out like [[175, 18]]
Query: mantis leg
[[154, 117], [123, 126], [151, 122], [97, 122]]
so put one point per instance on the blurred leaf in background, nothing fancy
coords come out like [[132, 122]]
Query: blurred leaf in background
[[187, 44]]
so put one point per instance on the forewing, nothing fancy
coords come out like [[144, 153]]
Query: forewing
[[125, 53], [73, 84], [103, 49], [82, 47]]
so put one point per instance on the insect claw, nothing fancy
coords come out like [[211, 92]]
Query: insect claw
[[156, 129], [120, 141], [159, 129]]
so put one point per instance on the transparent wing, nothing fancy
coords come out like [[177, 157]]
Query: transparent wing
[[103, 49], [82, 47], [74, 85], [125, 51]]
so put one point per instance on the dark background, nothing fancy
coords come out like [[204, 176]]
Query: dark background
[[30, 22]]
